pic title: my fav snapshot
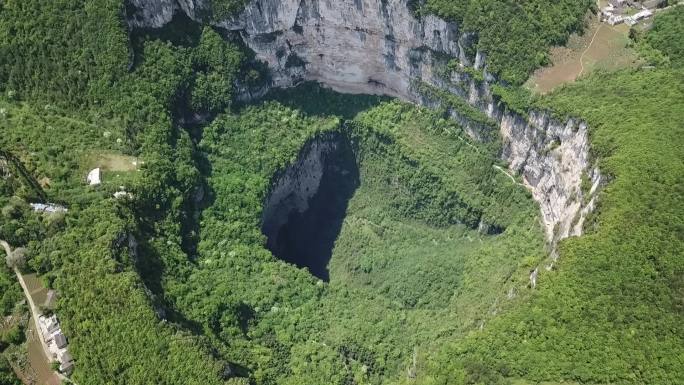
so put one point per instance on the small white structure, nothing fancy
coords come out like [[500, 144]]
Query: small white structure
[[123, 194], [631, 20], [533, 278], [48, 327], [615, 20], [94, 176], [48, 208]]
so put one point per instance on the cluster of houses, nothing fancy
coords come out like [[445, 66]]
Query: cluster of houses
[[629, 12], [52, 335]]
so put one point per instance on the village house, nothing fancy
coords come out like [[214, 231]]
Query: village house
[[57, 343], [66, 363], [48, 208], [617, 11], [641, 15]]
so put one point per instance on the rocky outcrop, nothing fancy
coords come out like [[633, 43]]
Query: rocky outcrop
[[149, 13], [380, 47], [552, 158]]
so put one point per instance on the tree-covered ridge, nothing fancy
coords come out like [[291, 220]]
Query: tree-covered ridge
[[84, 254], [515, 35], [85, 98], [612, 313], [66, 51]]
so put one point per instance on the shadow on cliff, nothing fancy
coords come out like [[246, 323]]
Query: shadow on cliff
[[314, 99], [307, 238]]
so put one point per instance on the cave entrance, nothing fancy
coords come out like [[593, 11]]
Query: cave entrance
[[305, 210]]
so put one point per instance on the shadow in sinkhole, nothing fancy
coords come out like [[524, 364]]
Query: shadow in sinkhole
[[308, 202]]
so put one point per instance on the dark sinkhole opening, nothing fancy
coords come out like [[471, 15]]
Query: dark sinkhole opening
[[305, 209]]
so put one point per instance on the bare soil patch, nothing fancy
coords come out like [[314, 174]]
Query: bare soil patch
[[114, 162], [600, 47]]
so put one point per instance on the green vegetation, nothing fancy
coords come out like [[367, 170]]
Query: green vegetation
[[269, 317], [516, 99], [7, 377], [223, 9], [515, 35], [486, 126], [663, 45], [612, 313]]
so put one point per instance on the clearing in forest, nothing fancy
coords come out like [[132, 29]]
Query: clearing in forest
[[114, 162], [600, 47]]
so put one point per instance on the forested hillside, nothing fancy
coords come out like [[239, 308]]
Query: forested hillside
[[72, 97], [613, 312], [514, 35]]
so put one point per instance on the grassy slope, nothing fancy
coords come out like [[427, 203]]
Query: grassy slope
[[613, 312]]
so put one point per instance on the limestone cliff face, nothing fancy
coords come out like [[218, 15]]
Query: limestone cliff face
[[357, 46], [552, 158], [380, 47]]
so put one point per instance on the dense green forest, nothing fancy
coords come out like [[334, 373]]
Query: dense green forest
[[515, 35], [428, 275]]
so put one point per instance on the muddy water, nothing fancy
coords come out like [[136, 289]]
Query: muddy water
[[40, 369]]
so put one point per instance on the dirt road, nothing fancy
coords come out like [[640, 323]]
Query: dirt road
[[55, 377]]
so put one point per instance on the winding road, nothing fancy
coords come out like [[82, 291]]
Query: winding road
[[35, 312]]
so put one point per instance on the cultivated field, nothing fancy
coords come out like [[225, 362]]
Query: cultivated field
[[600, 47]]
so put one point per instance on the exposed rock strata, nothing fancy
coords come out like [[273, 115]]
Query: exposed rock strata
[[380, 47]]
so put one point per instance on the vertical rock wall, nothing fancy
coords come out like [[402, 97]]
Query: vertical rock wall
[[298, 183]]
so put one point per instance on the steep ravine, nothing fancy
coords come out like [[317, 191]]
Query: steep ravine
[[307, 203], [380, 47]]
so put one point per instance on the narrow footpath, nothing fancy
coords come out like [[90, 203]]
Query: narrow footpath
[[508, 174]]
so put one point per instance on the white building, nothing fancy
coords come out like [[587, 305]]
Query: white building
[[615, 20], [631, 20], [48, 208], [94, 177], [56, 342]]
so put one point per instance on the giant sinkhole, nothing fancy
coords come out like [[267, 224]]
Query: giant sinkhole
[[305, 209]]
